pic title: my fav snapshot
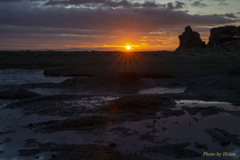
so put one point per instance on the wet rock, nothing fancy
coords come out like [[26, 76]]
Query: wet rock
[[128, 77], [135, 102], [6, 132], [66, 71], [234, 113], [30, 152], [86, 152], [204, 111], [150, 126], [223, 137], [54, 156], [120, 78], [200, 146], [190, 39], [87, 123], [6, 140], [213, 87], [174, 150], [39, 147], [147, 136], [131, 132], [30, 125], [164, 129], [76, 152], [128, 82], [112, 145], [234, 83], [38, 85], [207, 85], [168, 113], [138, 102], [50, 105], [119, 130], [31, 143], [156, 75], [74, 82], [195, 119], [17, 94]]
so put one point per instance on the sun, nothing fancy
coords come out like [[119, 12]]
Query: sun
[[128, 47]]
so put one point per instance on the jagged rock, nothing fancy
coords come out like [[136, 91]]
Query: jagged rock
[[17, 94], [175, 150], [190, 39], [215, 85], [221, 35], [128, 82], [223, 137], [231, 46], [137, 102]]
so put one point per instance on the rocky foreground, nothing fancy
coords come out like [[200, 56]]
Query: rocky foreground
[[102, 104]]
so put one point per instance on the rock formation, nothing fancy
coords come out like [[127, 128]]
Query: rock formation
[[230, 46], [221, 35], [190, 39]]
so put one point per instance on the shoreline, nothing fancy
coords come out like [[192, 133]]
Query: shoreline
[[104, 110]]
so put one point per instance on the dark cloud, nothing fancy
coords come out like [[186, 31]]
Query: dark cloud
[[115, 4], [198, 4], [150, 4], [230, 15], [15, 30], [109, 3], [221, 2], [170, 6], [18, 0], [11, 0], [123, 3], [117, 19], [54, 21], [179, 5], [74, 2]]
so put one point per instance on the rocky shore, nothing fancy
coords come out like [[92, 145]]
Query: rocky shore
[[123, 105]]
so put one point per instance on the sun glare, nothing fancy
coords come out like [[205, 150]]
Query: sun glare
[[128, 47]]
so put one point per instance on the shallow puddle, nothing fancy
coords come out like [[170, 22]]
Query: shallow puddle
[[161, 90], [130, 137], [58, 91], [24, 76], [92, 102], [193, 103]]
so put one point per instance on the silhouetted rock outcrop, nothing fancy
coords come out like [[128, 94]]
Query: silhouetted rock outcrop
[[221, 35], [190, 39]]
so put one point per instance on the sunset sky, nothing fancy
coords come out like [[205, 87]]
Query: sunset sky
[[109, 24]]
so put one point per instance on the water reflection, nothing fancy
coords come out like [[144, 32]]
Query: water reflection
[[161, 90]]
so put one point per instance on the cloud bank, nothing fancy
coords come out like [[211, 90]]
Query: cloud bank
[[86, 19]]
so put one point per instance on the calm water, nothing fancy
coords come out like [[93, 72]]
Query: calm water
[[177, 130], [24, 76]]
